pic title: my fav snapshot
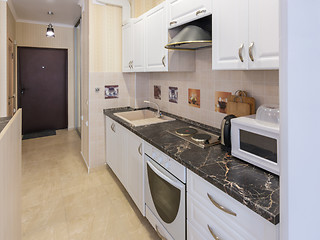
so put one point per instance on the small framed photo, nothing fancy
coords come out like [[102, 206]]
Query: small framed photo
[[111, 91], [173, 94]]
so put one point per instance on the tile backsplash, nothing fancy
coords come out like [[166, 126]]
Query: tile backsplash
[[262, 85]]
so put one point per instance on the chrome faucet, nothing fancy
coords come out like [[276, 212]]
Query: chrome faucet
[[158, 114]]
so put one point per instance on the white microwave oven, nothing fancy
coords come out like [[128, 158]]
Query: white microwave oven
[[256, 143]]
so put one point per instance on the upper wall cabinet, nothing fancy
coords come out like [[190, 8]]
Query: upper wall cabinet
[[184, 11], [156, 39], [139, 44], [245, 34], [158, 58], [127, 47], [143, 44]]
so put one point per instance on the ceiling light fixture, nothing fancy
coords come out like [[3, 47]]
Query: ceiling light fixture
[[50, 30]]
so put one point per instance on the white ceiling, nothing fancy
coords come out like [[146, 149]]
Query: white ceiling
[[66, 12]]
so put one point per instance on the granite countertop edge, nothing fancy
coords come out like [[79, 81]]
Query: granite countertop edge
[[3, 122], [270, 215]]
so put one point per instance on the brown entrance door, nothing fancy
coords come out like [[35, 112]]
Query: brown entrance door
[[43, 88]]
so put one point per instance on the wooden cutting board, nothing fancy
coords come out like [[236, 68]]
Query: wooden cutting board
[[238, 109]]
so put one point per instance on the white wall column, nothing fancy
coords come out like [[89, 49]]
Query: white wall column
[[3, 58], [300, 119]]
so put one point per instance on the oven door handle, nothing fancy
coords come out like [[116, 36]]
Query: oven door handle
[[174, 183]]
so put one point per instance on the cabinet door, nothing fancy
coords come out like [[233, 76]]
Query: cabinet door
[[264, 34], [183, 11], [112, 154], [127, 47], [230, 34], [139, 44], [135, 170], [116, 149], [156, 39]]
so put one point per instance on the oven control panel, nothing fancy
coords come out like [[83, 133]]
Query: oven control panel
[[166, 162]]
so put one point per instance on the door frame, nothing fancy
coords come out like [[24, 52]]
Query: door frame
[[18, 81], [11, 81]]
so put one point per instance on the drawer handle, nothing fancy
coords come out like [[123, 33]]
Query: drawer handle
[[173, 22], [240, 52], [140, 149], [159, 234], [212, 233], [221, 207], [200, 11], [250, 51]]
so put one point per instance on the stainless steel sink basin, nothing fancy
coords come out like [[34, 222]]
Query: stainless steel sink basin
[[142, 117]]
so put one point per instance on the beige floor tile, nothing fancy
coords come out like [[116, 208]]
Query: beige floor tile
[[61, 201]]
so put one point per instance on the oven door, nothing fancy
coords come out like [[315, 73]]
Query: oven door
[[165, 197]]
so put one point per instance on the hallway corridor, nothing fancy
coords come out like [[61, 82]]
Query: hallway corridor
[[61, 201]]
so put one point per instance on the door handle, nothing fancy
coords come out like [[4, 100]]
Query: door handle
[[163, 63], [220, 207], [215, 237], [140, 149], [173, 22], [200, 11], [250, 51], [240, 52]]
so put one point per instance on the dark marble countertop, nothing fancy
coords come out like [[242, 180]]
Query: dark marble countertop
[[251, 186], [3, 122]]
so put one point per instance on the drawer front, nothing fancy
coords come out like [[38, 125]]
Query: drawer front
[[157, 225], [202, 220], [193, 234], [246, 219]]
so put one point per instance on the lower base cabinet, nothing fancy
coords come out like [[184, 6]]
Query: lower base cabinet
[[124, 155], [235, 222]]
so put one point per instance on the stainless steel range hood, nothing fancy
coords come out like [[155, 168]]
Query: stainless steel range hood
[[190, 37]]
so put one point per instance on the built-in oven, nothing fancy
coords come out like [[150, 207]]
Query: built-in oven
[[165, 193]]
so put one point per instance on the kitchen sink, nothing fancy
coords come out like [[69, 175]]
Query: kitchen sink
[[142, 117]]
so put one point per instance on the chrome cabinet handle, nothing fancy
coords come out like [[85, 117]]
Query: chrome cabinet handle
[[173, 22], [159, 234], [221, 207], [140, 149], [132, 64], [240, 52], [250, 51], [163, 63], [212, 233], [112, 127], [200, 11]]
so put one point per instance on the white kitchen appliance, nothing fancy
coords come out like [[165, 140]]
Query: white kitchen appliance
[[165, 194], [256, 142]]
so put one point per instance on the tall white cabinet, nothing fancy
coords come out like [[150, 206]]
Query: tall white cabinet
[[245, 34]]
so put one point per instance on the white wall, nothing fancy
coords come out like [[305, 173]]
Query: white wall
[[300, 113]]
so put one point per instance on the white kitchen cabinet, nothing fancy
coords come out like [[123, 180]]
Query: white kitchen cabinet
[[184, 11], [156, 39], [116, 152], [244, 224], [245, 34], [158, 58], [135, 170], [124, 155], [139, 44], [127, 47], [264, 34]]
